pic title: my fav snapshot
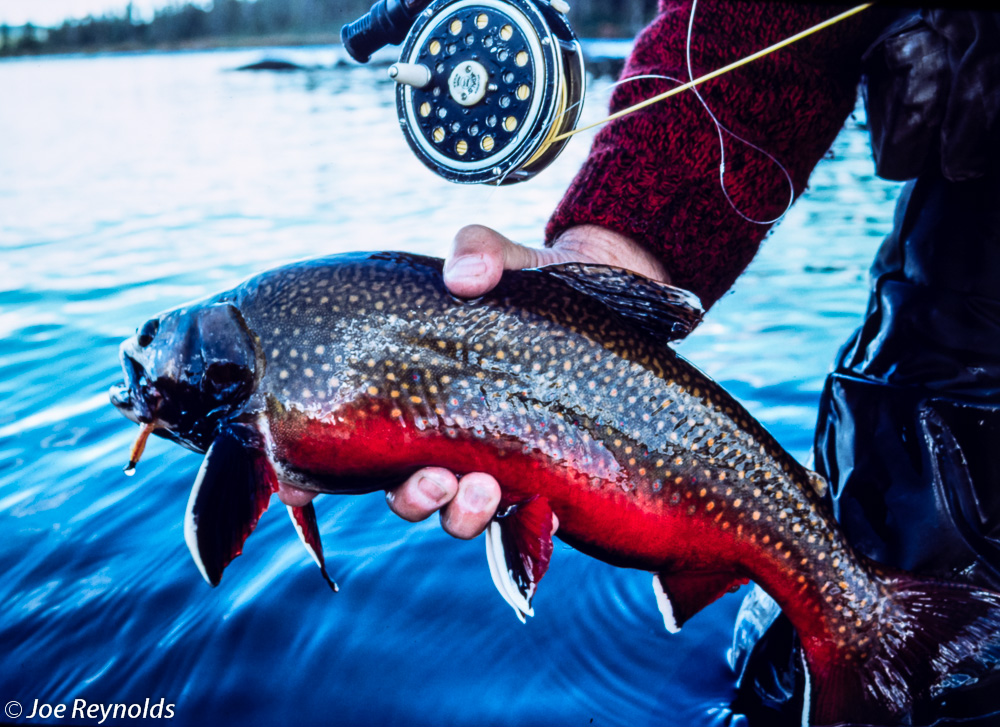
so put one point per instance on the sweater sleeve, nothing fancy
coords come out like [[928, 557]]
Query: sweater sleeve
[[653, 175]]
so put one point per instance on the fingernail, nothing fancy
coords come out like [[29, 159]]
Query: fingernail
[[434, 490], [476, 497], [468, 266]]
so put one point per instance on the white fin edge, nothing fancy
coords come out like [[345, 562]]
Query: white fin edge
[[807, 699], [501, 576], [665, 606], [191, 523], [302, 535], [521, 602], [495, 575]]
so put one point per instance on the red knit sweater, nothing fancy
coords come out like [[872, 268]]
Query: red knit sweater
[[653, 175]]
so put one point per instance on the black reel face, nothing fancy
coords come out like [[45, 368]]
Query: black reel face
[[485, 85]]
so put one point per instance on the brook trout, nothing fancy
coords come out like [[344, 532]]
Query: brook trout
[[345, 375]]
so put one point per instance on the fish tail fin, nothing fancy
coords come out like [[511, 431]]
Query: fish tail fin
[[930, 636]]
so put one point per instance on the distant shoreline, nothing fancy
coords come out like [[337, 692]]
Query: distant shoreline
[[604, 56], [208, 43], [228, 24]]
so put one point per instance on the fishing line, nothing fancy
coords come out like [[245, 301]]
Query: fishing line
[[563, 110], [722, 145], [692, 84], [719, 128], [490, 91], [716, 73]]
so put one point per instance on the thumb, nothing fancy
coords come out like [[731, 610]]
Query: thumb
[[479, 255]]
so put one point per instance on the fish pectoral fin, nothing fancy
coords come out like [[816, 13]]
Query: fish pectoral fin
[[518, 549], [680, 596], [304, 520], [230, 493], [665, 311]]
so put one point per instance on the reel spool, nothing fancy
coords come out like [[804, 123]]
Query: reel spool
[[483, 86]]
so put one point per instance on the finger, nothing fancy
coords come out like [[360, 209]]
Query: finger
[[479, 256], [472, 509], [425, 492], [476, 261], [293, 496]]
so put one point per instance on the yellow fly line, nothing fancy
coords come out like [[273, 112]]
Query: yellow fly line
[[726, 69]]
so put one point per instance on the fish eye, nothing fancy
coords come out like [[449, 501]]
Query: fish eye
[[148, 332]]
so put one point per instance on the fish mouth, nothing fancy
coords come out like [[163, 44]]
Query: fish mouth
[[121, 399], [135, 397]]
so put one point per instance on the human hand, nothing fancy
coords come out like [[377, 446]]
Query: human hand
[[479, 255], [478, 258]]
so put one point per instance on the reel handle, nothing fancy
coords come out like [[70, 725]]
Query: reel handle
[[387, 23]]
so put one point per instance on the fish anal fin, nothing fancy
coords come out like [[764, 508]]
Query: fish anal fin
[[519, 548], [304, 520], [681, 595], [230, 493]]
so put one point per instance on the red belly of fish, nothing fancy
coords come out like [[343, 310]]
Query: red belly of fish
[[632, 528]]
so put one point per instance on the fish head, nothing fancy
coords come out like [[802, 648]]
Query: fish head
[[187, 370]]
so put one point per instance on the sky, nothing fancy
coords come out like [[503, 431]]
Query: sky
[[54, 12]]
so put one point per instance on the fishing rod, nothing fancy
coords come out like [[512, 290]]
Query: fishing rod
[[490, 91]]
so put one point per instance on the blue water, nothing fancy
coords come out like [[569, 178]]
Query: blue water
[[131, 183]]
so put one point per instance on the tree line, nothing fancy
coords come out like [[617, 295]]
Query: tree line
[[233, 20]]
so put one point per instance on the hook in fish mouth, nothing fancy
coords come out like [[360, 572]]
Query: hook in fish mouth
[[122, 399], [138, 404], [135, 453]]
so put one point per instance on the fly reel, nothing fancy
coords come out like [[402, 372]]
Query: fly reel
[[482, 86]]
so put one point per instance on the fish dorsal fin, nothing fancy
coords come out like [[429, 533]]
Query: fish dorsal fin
[[681, 595], [518, 549], [662, 310], [304, 520], [230, 493]]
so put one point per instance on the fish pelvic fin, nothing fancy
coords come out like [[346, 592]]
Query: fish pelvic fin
[[679, 596], [518, 550], [930, 637], [230, 493], [304, 520]]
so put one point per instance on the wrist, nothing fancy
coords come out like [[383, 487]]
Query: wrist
[[601, 245]]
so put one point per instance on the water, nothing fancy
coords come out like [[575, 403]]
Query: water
[[131, 183]]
